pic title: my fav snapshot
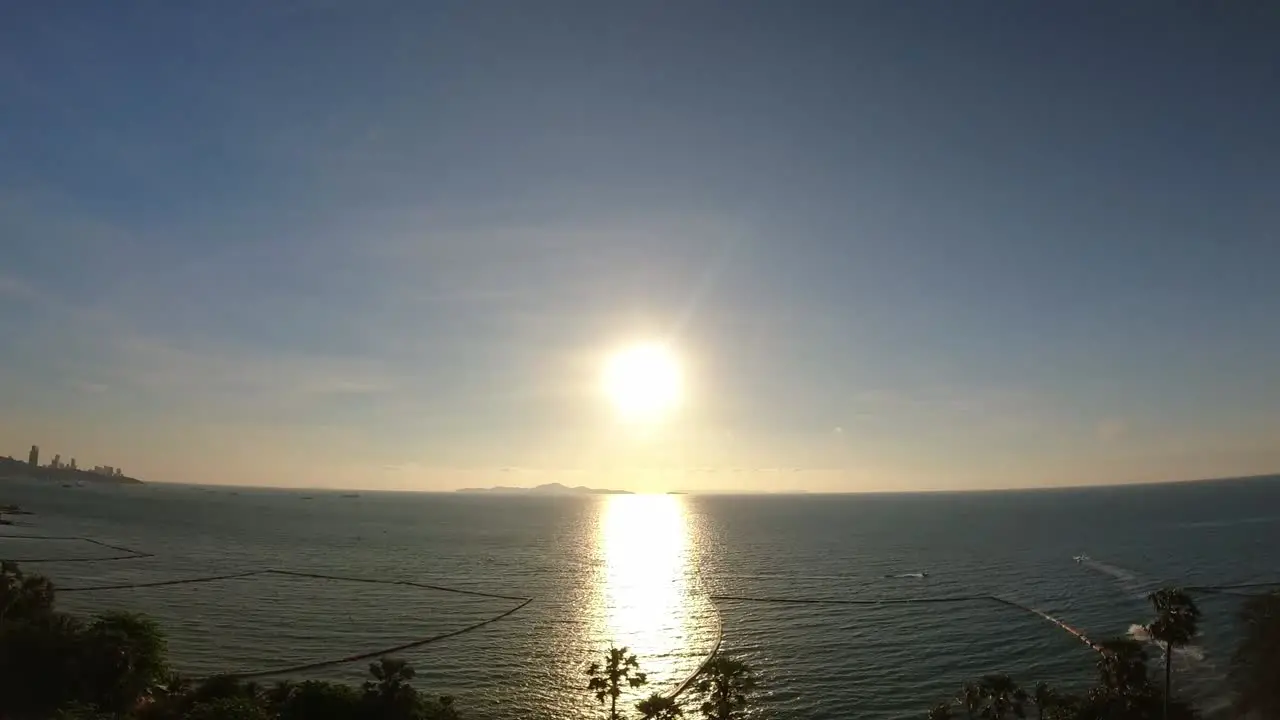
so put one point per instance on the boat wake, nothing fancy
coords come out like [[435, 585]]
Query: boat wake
[[1127, 579], [917, 575]]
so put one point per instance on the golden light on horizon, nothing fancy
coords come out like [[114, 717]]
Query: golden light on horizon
[[644, 382]]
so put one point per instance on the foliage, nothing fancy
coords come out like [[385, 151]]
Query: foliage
[[1177, 616], [80, 711], [123, 658], [608, 680], [315, 700], [1123, 692], [1122, 667], [54, 665], [23, 596], [941, 711], [1045, 699], [389, 695], [39, 663], [970, 698], [228, 708], [726, 684], [1255, 666], [659, 707], [1176, 622], [1003, 698]]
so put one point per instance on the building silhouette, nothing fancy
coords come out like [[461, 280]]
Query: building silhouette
[[33, 459]]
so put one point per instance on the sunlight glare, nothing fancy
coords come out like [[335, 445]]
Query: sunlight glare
[[644, 382], [644, 540]]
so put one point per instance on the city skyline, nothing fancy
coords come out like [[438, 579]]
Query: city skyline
[[888, 247], [55, 463]]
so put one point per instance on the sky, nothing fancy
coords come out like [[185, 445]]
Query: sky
[[897, 246]]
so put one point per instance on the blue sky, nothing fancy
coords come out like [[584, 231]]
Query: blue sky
[[387, 245]]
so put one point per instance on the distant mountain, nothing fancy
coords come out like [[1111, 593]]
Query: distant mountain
[[547, 489]]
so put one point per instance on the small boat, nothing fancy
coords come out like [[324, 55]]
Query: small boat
[[1080, 558]]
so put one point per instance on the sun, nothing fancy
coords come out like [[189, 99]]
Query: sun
[[644, 382]]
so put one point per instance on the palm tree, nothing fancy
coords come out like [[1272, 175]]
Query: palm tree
[[277, 696], [726, 683], [1123, 689], [1122, 666], [659, 707], [941, 711], [1004, 697], [390, 693], [619, 669], [1175, 625], [970, 698], [1045, 698]]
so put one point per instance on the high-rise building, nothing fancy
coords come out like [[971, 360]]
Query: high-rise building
[[73, 464], [34, 458], [56, 462]]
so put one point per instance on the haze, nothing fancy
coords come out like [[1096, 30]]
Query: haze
[[897, 246]]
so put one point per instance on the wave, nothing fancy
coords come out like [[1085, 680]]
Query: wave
[[908, 575], [1143, 635]]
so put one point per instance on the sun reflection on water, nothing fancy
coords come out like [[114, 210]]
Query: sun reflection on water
[[644, 593]]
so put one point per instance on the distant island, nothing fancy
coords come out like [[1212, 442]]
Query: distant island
[[13, 468], [547, 489]]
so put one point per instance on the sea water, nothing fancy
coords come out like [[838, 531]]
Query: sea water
[[650, 572]]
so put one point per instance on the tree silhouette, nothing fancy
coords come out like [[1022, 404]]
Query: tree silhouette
[[318, 700], [941, 711], [1256, 662], [726, 683], [1176, 619], [970, 698], [230, 708], [1004, 698], [1124, 690], [607, 681], [1122, 666], [659, 707], [39, 664], [389, 695], [22, 595], [1044, 698], [277, 696], [124, 658]]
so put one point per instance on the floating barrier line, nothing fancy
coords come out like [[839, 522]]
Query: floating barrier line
[[904, 601], [134, 554], [409, 583], [715, 650], [822, 601], [1072, 631], [381, 652], [306, 667], [164, 583], [74, 559]]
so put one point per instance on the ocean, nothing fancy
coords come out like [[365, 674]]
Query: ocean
[[651, 573]]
